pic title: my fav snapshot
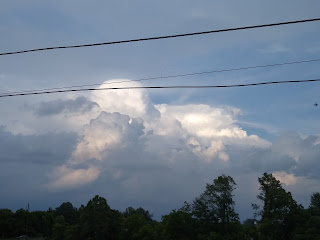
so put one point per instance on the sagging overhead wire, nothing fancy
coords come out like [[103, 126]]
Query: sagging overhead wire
[[161, 37], [163, 87], [168, 76]]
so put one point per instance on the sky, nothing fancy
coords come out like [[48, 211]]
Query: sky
[[156, 148]]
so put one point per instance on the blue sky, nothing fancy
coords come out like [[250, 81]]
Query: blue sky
[[156, 148]]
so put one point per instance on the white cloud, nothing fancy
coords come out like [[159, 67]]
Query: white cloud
[[132, 102], [209, 153], [183, 145], [66, 177], [169, 133], [210, 123], [285, 178], [107, 131], [135, 146]]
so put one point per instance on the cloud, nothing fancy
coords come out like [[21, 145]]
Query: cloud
[[169, 150], [132, 130], [210, 123], [49, 148], [305, 151], [290, 155], [108, 131], [214, 150], [123, 148], [285, 178], [27, 161], [180, 147], [70, 178], [57, 115], [132, 102], [49, 108]]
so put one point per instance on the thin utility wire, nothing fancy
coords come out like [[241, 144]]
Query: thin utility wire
[[162, 37], [163, 87], [168, 76]]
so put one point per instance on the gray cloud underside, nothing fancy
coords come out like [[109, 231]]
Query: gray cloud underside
[[49, 148], [80, 104]]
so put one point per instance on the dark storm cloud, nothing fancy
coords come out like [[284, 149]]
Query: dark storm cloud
[[49, 148], [80, 104], [26, 162]]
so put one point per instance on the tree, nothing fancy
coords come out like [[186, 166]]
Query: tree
[[215, 207], [59, 228], [315, 204], [40, 223], [178, 225], [310, 230], [280, 214], [137, 224], [140, 211], [250, 229], [147, 232], [131, 226], [20, 222], [95, 219], [6, 223], [69, 212]]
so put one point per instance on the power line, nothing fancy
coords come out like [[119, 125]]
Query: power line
[[162, 37], [169, 76], [163, 87]]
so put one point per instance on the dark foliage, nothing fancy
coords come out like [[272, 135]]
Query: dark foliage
[[211, 216]]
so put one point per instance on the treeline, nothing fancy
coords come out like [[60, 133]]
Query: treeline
[[211, 216]]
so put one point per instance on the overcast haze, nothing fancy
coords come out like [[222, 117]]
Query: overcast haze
[[156, 148]]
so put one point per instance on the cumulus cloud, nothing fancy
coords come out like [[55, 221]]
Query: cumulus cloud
[[208, 123], [132, 102], [215, 149], [128, 145], [129, 121], [104, 140], [108, 131]]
